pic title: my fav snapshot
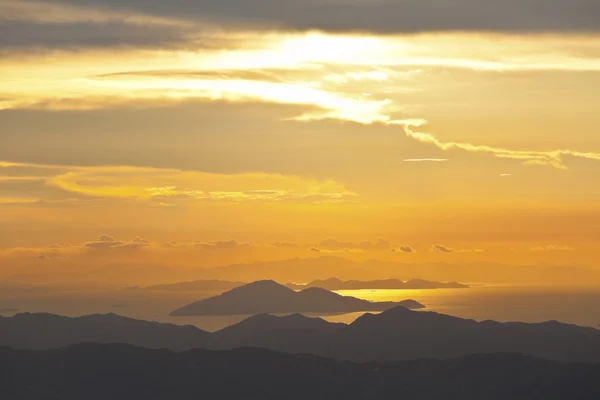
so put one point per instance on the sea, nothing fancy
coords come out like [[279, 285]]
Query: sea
[[580, 306]]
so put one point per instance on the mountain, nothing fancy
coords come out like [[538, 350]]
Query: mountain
[[215, 285], [292, 334], [212, 285], [261, 323], [122, 372], [324, 267], [45, 331], [401, 334], [393, 335], [270, 297], [337, 284]]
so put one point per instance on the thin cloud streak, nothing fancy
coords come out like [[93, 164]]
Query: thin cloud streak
[[425, 160], [553, 158]]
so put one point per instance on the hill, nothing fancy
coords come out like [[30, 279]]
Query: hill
[[212, 285], [337, 284], [47, 331], [272, 298], [396, 334], [122, 372]]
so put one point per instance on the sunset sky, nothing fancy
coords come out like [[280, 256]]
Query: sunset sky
[[211, 132]]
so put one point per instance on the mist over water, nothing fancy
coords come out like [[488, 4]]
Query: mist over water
[[580, 306]]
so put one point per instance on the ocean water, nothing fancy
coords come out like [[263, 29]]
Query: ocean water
[[480, 302], [580, 306]]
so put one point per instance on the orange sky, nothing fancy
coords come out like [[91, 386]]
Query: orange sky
[[447, 145]]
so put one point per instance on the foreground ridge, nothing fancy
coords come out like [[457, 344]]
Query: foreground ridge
[[122, 372]]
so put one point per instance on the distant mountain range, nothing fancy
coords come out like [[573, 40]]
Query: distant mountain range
[[337, 284], [215, 285], [273, 298], [211, 285], [325, 267], [395, 334], [122, 372]]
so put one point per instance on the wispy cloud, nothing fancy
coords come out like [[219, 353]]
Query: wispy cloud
[[173, 186], [554, 158], [438, 248], [425, 160], [551, 247]]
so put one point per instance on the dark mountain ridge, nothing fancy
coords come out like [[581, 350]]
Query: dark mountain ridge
[[121, 372], [395, 334], [44, 331]]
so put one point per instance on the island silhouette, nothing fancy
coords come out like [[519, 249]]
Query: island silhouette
[[338, 284], [270, 297], [216, 285]]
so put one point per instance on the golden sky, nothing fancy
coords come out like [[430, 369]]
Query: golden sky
[[465, 133]]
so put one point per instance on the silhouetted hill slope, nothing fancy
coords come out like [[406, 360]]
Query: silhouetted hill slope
[[42, 331], [401, 334], [337, 284], [394, 335], [267, 322], [293, 334], [270, 297], [121, 372]]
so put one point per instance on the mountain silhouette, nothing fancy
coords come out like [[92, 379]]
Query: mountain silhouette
[[212, 285], [324, 267], [401, 334], [269, 297], [394, 335], [338, 284], [292, 334], [123, 372], [45, 331]]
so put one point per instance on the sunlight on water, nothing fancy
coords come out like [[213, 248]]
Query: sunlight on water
[[497, 302]]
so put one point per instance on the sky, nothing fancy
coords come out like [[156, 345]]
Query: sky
[[203, 133]]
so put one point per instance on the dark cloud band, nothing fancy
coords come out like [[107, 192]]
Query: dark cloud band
[[382, 16]]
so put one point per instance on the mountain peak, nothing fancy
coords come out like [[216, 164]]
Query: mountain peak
[[271, 297]]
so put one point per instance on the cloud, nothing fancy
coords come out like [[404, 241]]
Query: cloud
[[403, 249], [334, 245], [58, 25], [59, 246], [163, 186], [109, 242], [140, 241], [438, 248], [222, 245], [551, 247], [285, 245], [553, 158], [106, 238], [103, 244], [425, 160], [380, 16]]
